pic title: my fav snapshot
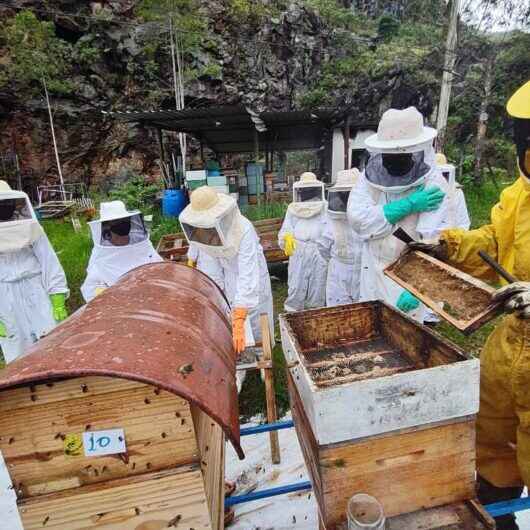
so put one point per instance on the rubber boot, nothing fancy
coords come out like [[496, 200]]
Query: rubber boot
[[488, 494]]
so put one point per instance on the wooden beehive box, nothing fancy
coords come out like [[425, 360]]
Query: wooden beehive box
[[172, 470], [462, 300], [146, 369], [382, 406]]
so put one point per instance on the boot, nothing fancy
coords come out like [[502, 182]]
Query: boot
[[488, 494]]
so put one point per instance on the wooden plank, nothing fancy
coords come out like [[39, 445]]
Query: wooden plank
[[154, 502], [430, 293], [270, 394], [457, 516], [211, 443], [66, 390], [158, 430]]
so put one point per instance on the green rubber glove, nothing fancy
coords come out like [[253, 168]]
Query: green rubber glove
[[59, 306], [407, 302], [3, 331], [422, 200]]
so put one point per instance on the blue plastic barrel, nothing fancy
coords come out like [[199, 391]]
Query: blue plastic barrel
[[173, 202]]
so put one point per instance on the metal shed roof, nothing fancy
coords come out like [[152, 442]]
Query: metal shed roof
[[163, 324], [231, 129]]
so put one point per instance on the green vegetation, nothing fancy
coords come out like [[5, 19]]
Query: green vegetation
[[33, 52], [136, 193]]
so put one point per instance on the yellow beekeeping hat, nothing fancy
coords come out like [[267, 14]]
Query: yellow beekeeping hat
[[519, 104], [204, 198]]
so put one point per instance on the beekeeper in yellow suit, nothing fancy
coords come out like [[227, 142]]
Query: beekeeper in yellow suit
[[503, 427]]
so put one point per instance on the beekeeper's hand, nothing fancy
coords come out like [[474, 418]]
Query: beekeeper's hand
[[3, 331], [407, 302], [422, 200], [59, 310], [434, 247], [516, 298], [100, 290], [239, 315], [192, 263], [290, 244]]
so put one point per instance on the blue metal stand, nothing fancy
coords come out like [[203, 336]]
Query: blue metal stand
[[505, 507], [264, 494], [267, 427]]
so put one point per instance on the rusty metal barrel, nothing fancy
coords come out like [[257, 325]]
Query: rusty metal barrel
[[164, 324]]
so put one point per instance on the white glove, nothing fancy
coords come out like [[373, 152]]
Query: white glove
[[516, 298]]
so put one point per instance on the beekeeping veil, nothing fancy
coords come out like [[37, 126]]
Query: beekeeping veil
[[338, 197], [212, 222], [448, 171], [308, 196], [109, 262], [401, 151], [19, 227]]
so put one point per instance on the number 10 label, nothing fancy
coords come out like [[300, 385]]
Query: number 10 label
[[100, 443]]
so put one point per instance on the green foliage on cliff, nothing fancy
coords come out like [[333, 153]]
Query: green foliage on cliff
[[33, 52]]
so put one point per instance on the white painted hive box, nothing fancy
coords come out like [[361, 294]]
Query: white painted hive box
[[367, 369]]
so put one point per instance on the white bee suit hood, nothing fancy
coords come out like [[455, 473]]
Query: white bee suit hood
[[212, 221], [108, 263], [308, 197], [23, 229]]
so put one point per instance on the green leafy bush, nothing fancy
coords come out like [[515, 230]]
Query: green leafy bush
[[33, 53], [136, 193]]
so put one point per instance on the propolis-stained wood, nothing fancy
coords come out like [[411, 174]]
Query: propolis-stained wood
[[462, 300], [173, 469], [413, 469], [367, 369]]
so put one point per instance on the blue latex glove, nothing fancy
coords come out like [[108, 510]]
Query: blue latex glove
[[422, 200], [407, 302]]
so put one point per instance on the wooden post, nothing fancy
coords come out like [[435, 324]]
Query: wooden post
[[272, 414], [447, 79]]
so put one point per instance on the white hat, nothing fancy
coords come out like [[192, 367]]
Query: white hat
[[347, 178], [4, 187], [206, 207], [112, 210], [401, 131]]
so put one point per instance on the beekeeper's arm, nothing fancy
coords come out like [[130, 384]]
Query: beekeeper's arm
[[286, 239], [193, 255], [53, 277], [462, 214], [326, 239], [248, 287], [93, 285], [365, 216], [212, 268]]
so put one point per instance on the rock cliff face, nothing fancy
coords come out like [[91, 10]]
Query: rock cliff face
[[121, 62]]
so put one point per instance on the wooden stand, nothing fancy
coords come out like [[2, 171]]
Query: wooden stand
[[171, 475], [266, 364]]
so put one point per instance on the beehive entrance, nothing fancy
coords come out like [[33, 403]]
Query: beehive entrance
[[355, 361]]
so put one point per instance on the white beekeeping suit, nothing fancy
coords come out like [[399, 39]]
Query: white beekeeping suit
[[121, 243], [229, 252], [340, 244], [33, 285], [298, 236], [457, 213], [397, 189]]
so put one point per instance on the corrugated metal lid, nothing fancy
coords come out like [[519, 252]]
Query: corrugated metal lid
[[163, 324]]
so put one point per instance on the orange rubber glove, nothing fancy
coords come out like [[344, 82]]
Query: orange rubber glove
[[239, 315]]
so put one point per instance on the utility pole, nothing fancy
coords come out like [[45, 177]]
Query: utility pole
[[483, 118], [447, 79]]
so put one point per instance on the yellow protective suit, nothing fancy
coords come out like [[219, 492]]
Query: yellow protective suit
[[503, 427]]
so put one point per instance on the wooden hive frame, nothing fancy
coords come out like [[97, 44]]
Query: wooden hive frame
[[172, 471], [429, 292]]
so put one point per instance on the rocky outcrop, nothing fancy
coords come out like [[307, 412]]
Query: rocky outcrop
[[121, 63]]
